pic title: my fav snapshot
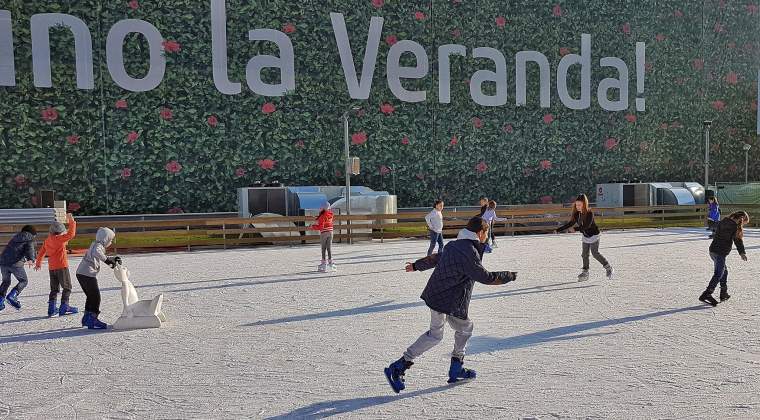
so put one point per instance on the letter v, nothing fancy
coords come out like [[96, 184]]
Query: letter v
[[358, 89]]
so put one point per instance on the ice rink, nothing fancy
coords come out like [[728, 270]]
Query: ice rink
[[258, 333]]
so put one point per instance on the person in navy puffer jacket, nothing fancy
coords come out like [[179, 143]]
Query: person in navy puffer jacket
[[20, 248], [447, 294]]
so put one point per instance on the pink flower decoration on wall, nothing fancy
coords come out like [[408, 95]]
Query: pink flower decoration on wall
[[359, 138]]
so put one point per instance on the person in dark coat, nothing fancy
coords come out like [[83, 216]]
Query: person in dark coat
[[728, 232], [20, 248], [447, 294], [583, 220]]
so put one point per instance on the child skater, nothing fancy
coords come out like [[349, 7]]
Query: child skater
[[87, 275], [58, 264], [324, 225], [490, 216], [583, 218], [434, 221], [713, 215], [730, 229], [19, 250], [447, 294]]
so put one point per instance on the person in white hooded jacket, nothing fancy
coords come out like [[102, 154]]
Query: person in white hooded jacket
[[434, 221], [87, 275]]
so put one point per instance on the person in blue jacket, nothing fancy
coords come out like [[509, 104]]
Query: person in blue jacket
[[713, 215], [448, 294], [20, 248]]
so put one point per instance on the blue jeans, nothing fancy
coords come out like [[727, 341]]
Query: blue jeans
[[16, 270], [435, 238], [720, 275]]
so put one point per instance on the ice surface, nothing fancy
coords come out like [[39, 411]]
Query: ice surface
[[258, 333]]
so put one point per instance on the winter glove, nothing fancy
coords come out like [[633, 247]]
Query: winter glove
[[503, 277], [112, 261]]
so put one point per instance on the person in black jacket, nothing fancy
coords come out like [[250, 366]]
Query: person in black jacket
[[583, 218], [19, 250], [727, 233], [448, 294]]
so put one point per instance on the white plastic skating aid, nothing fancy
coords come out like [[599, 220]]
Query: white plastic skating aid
[[137, 313]]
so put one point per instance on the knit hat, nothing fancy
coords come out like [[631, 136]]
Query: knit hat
[[57, 228]]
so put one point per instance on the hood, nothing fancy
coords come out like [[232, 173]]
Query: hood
[[105, 236], [325, 206], [466, 234]]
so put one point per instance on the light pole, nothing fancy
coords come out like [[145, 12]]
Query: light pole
[[746, 148], [706, 134]]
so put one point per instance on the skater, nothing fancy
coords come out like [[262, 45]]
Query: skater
[[58, 264], [483, 203], [583, 217], [730, 229], [491, 217], [713, 215], [447, 294], [19, 250], [434, 221], [87, 273], [324, 225]]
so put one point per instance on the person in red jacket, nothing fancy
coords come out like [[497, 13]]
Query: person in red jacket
[[58, 264], [324, 225]]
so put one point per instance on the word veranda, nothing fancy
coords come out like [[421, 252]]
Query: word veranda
[[358, 86]]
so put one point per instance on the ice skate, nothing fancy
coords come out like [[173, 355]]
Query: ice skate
[[583, 276], [395, 374], [12, 299], [322, 268], [2, 303], [724, 296], [610, 271], [707, 298], [65, 309], [458, 373], [332, 267], [52, 309], [91, 321]]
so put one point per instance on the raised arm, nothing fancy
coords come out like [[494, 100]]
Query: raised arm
[[71, 232]]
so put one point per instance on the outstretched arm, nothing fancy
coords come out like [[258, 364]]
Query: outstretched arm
[[423, 263], [568, 225]]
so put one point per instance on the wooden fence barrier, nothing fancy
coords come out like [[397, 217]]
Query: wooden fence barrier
[[229, 232]]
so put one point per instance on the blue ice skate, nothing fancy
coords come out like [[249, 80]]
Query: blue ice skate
[[2, 303], [52, 309], [12, 299], [395, 374], [65, 309], [91, 321], [457, 373]]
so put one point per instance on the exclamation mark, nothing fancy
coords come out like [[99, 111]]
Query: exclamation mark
[[640, 67]]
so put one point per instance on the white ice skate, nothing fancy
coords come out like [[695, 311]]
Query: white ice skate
[[583, 276], [137, 313], [333, 267], [322, 268]]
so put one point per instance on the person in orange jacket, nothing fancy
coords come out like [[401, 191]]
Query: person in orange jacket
[[324, 225], [58, 264]]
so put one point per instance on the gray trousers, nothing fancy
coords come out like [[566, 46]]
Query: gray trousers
[[594, 249], [325, 239], [16, 270], [60, 279], [462, 332]]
